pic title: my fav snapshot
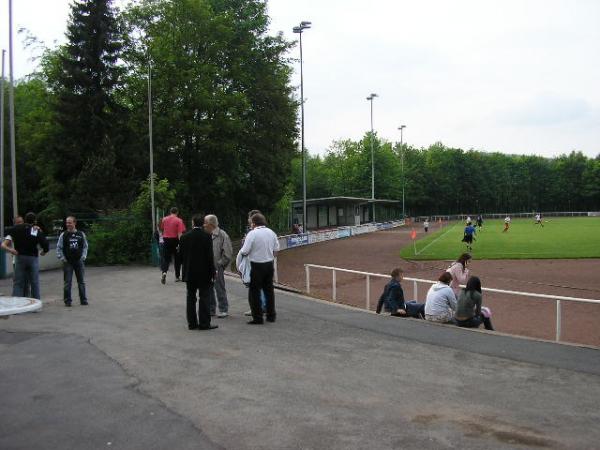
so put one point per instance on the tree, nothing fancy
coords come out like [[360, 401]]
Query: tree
[[225, 118], [86, 158]]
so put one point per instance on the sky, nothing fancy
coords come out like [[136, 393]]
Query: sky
[[513, 76]]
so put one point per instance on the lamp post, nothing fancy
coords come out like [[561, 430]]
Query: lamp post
[[151, 147], [402, 127], [2, 148], [11, 111], [370, 99], [304, 25]]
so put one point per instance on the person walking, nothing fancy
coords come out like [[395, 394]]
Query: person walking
[[426, 225], [172, 228], [506, 224], [27, 237], [72, 249], [197, 256], [261, 246], [222, 254]]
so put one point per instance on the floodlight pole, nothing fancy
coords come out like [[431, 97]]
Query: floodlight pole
[[11, 107], [2, 148], [370, 98], [151, 149], [299, 30], [402, 127]]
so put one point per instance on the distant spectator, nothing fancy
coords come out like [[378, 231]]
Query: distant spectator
[[295, 229], [392, 299], [441, 301], [469, 312], [426, 225], [459, 272], [263, 298], [72, 249], [7, 243]]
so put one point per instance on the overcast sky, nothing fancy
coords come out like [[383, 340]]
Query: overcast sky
[[515, 76]]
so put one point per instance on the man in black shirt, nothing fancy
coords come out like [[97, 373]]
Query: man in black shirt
[[26, 240], [71, 249]]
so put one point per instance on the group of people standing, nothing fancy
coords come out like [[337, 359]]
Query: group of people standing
[[446, 301], [201, 257], [26, 241]]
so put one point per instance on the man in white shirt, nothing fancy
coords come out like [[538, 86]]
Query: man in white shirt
[[506, 224], [260, 246]]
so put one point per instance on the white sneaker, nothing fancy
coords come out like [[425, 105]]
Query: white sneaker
[[222, 315], [248, 313]]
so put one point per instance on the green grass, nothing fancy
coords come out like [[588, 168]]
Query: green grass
[[577, 237]]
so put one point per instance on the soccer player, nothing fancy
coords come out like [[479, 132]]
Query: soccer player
[[468, 236], [479, 221], [538, 220], [469, 220], [426, 225], [506, 224]]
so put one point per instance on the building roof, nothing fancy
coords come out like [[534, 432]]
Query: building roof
[[342, 200]]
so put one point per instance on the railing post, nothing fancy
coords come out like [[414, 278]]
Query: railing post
[[415, 292], [307, 267], [275, 274], [368, 279], [334, 287], [558, 320]]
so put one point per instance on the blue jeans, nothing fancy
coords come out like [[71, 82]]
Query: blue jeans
[[68, 269], [27, 269]]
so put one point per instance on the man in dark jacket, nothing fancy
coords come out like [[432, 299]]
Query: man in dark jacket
[[26, 240], [392, 299], [196, 250], [71, 249]]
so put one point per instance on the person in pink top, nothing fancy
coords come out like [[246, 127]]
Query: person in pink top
[[460, 272], [172, 228]]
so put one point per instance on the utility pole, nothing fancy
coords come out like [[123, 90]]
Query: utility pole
[[151, 146], [370, 98], [2, 148]]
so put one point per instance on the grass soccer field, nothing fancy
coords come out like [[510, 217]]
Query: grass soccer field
[[576, 237]]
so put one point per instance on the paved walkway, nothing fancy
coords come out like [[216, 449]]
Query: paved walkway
[[126, 373]]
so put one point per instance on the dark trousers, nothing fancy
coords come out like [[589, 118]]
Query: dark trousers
[[261, 278], [201, 316], [475, 322], [170, 246], [68, 269]]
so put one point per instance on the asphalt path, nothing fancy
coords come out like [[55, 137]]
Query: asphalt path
[[124, 372]]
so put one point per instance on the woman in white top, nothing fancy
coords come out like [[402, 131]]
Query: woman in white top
[[441, 301], [460, 272]]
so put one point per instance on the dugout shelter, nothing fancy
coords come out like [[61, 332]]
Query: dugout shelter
[[344, 211]]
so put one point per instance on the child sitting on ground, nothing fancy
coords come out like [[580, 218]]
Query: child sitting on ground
[[392, 299]]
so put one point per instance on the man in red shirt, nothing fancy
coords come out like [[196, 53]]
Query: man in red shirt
[[172, 228]]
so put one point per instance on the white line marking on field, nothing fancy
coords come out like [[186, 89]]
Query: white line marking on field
[[436, 239]]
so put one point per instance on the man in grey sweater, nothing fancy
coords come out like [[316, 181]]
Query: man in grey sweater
[[223, 254]]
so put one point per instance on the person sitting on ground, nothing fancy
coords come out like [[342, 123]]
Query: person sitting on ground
[[441, 301], [392, 299], [469, 312], [459, 272]]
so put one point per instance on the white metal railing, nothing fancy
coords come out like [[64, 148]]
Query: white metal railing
[[415, 281]]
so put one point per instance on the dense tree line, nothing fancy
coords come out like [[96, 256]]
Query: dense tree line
[[224, 109], [225, 127], [443, 180]]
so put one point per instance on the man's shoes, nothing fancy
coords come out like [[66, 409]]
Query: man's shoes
[[248, 313], [84, 303], [177, 280], [68, 304], [213, 314], [163, 278], [210, 327], [192, 327], [222, 315], [255, 322], [271, 319]]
